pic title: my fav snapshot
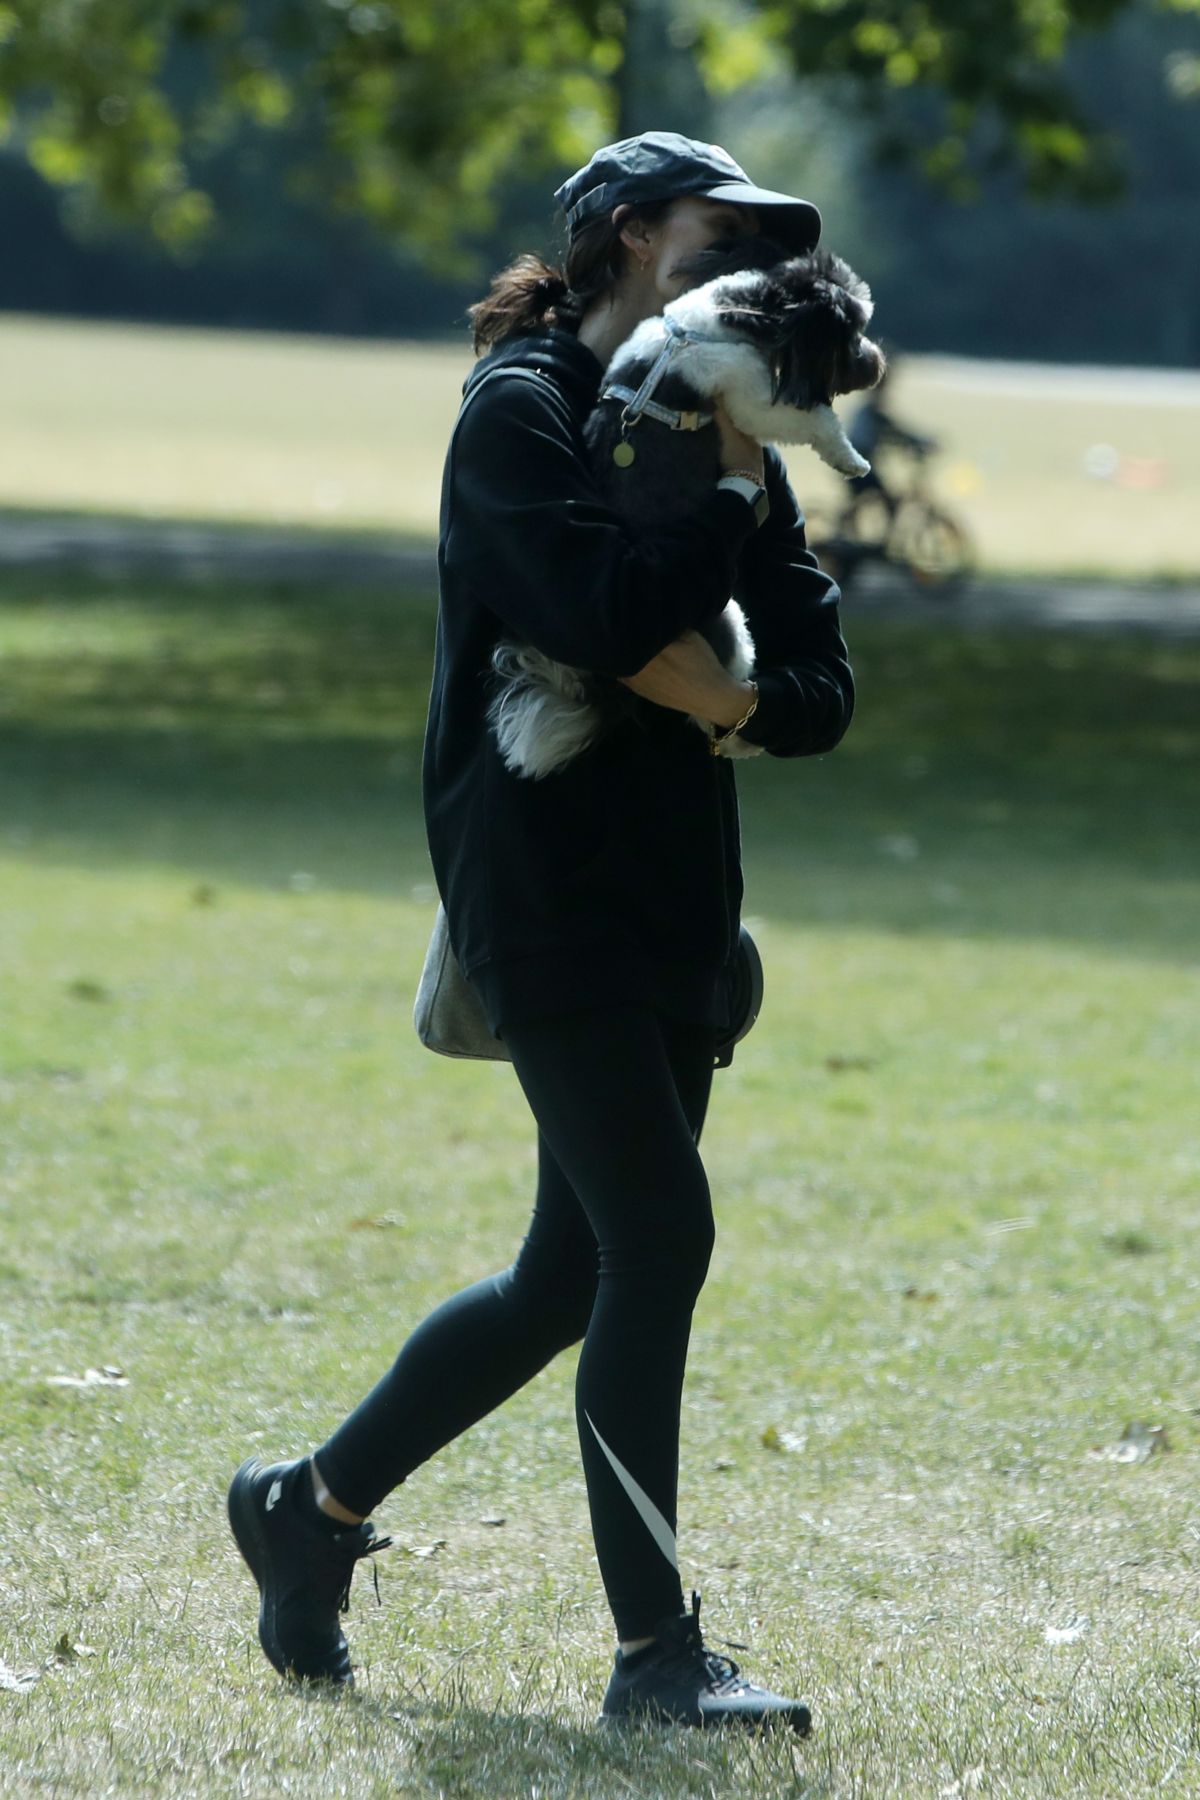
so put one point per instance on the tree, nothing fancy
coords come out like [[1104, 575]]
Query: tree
[[413, 113]]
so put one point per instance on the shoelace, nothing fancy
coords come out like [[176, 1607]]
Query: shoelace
[[368, 1549], [721, 1673], [724, 1675]]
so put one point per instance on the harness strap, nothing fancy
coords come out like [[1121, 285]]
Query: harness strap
[[666, 415], [640, 402]]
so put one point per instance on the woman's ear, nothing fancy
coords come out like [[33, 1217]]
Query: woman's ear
[[632, 231]]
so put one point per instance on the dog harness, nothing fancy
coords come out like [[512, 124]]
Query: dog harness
[[639, 404]]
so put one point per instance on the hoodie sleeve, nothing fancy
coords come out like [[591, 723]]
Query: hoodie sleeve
[[530, 533], [805, 685]]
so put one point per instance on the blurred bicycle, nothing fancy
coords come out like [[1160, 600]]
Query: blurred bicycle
[[883, 521], [907, 530]]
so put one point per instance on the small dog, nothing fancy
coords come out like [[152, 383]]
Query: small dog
[[775, 336]]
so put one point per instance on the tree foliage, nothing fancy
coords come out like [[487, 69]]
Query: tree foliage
[[995, 70], [408, 112], [413, 113]]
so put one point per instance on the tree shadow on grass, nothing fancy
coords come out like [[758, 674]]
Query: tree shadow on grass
[[1004, 785]]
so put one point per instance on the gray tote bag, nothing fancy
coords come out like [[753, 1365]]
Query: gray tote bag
[[449, 1016], [448, 1013]]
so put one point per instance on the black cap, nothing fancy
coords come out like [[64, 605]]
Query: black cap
[[662, 165]]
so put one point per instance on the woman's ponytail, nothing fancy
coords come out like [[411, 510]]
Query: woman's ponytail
[[532, 295], [525, 297]]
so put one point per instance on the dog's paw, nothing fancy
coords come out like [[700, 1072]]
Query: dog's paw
[[831, 443], [851, 464]]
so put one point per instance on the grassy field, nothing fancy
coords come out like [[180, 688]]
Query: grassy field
[[954, 1169], [308, 431]]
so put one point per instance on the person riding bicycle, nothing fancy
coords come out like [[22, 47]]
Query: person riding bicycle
[[870, 430]]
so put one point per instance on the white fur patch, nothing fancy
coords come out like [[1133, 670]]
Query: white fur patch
[[728, 366], [542, 718]]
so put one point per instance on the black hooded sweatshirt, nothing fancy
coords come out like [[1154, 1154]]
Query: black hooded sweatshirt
[[619, 877]]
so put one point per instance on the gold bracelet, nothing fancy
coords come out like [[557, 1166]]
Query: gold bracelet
[[718, 737]]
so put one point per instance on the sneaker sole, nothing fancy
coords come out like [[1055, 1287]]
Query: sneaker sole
[[801, 1723]]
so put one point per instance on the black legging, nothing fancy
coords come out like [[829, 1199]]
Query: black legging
[[616, 1253]]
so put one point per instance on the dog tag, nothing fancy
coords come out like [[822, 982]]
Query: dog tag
[[623, 454]]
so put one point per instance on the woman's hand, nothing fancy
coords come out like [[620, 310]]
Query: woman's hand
[[737, 451], [689, 676]]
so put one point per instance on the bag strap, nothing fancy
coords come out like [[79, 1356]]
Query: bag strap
[[492, 374], [526, 375]]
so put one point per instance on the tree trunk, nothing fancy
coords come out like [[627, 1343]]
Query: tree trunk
[[659, 86]]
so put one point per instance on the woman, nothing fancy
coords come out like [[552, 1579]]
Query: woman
[[596, 913]]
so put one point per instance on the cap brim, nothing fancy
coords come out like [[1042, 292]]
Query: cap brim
[[802, 221]]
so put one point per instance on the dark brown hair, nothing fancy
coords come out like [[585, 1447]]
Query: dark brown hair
[[531, 294]]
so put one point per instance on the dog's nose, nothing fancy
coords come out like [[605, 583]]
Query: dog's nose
[[870, 364]]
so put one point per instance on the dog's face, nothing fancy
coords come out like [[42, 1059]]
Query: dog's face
[[730, 255], [807, 313]]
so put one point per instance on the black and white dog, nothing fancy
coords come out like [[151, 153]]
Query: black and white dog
[[776, 336]]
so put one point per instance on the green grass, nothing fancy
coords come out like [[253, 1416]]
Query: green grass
[[347, 433], [954, 1171]]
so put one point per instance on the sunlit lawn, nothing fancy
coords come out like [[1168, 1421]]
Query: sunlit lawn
[[955, 1172], [339, 433]]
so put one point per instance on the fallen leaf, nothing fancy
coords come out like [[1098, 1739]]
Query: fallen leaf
[[203, 894], [380, 1222], [102, 1377], [83, 989], [17, 1681], [493, 1519], [67, 1651], [774, 1439], [1069, 1633], [425, 1549], [722, 1462], [967, 1783], [925, 1295], [839, 1064], [899, 845], [1136, 1444], [1129, 1242]]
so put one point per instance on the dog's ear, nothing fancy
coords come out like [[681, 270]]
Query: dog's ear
[[808, 360], [821, 351], [798, 379]]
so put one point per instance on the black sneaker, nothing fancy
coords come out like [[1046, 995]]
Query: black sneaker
[[677, 1681], [303, 1573]]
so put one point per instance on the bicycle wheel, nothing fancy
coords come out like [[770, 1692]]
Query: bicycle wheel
[[837, 545], [933, 549]]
